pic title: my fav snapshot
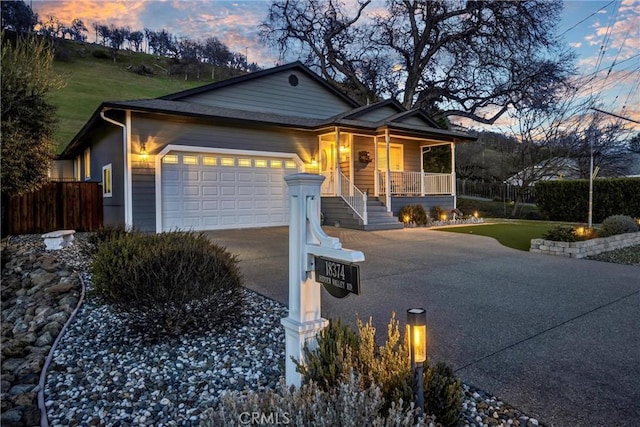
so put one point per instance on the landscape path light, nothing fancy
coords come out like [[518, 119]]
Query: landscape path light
[[417, 333]]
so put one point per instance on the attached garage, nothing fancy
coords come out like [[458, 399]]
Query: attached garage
[[225, 189]]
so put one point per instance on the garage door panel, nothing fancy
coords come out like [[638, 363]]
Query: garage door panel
[[228, 205], [244, 191], [245, 204], [210, 205], [190, 176], [191, 190], [210, 176], [228, 176], [210, 191]]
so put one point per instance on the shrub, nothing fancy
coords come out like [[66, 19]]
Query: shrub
[[617, 224], [100, 54], [562, 233], [330, 362], [346, 405], [443, 394], [168, 283], [340, 352], [567, 200], [105, 234], [413, 214], [437, 212]]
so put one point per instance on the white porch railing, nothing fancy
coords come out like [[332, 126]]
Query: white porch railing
[[416, 183], [356, 199]]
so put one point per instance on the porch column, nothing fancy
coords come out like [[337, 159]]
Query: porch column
[[387, 179], [453, 175], [338, 171], [376, 172]]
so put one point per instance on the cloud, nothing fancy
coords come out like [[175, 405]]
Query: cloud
[[576, 45]]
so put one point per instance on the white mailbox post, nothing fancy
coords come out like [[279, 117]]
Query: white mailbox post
[[306, 240]]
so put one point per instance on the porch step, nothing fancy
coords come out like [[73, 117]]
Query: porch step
[[336, 210]]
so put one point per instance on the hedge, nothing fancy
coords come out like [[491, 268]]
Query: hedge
[[569, 200]]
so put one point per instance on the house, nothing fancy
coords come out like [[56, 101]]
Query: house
[[214, 157]]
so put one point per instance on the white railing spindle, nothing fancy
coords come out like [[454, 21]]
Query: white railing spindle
[[356, 199]]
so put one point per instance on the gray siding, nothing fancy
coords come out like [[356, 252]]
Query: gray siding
[[274, 94], [107, 150], [415, 120], [62, 170], [364, 173], [378, 114], [159, 132]]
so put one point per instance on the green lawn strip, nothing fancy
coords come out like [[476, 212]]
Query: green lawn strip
[[513, 234]]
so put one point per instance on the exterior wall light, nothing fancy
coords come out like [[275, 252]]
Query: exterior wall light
[[143, 151], [417, 333], [314, 162]]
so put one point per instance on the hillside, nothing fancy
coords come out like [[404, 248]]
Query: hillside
[[92, 77]]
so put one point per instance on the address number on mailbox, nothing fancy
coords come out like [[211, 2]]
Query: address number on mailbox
[[339, 279]]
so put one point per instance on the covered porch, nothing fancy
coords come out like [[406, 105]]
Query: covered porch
[[390, 166]]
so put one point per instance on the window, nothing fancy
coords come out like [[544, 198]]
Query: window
[[107, 189], [209, 161], [260, 163], [290, 164], [245, 163], [87, 163], [276, 164], [228, 161], [189, 160], [396, 157], [77, 168], [170, 159]]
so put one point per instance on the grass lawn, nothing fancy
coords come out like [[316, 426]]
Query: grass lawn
[[514, 234]]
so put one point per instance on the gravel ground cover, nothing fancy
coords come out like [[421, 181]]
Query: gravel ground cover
[[104, 374], [628, 256]]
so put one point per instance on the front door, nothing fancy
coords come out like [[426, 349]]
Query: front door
[[327, 167]]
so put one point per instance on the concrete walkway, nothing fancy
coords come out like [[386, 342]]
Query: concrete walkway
[[557, 338]]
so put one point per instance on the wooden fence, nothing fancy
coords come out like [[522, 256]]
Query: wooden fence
[[57, 205]]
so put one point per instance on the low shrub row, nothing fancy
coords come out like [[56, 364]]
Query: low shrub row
[[349, 380], [615, 224]]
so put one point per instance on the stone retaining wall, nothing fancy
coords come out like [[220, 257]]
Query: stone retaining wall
[[585, 248]]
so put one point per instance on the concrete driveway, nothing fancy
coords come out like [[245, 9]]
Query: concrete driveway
[[557, 338]]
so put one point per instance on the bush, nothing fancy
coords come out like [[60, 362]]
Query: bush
[[346, 405], [562, 233], [340, 353], [413, 214], [100, 54], [168, 283], [617, 224], [105, 234], [437, 212], [567, 200], [443, 394]]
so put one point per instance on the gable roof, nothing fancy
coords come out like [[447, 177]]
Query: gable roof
[[298, 66]]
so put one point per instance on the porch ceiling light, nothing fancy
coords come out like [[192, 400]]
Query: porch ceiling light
[[143, 151]]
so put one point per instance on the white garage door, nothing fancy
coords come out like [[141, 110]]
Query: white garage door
[[216, 191]]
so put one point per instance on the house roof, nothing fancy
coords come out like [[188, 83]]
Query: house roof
[[174, 105], [298, 66]]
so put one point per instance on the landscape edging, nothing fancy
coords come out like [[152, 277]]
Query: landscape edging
[[585, 248]]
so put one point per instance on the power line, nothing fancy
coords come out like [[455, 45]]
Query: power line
[[594, 13], [614, 115]]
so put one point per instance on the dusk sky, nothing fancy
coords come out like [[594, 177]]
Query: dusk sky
[[586, 26]]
